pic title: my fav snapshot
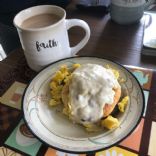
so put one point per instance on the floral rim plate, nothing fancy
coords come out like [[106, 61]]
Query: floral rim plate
[[53, 128]]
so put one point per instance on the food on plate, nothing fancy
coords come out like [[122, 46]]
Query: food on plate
[[92, 93], [89, 93], [56, 85], [123, 103], [110, 122]]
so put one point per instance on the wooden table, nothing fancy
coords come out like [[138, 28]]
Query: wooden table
[[110, 40]]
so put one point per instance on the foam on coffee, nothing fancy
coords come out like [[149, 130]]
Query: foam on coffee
[[40, 21]]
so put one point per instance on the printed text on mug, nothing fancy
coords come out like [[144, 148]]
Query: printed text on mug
[[50, 44]]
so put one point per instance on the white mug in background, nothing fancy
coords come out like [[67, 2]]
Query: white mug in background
[[127, 11], [45, 43]]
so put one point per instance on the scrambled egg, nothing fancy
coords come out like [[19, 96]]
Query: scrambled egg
[[110, 122], [57, 83], [91, 127], [122, 105]]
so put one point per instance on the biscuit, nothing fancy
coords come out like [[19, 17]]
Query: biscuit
[[108, 108]]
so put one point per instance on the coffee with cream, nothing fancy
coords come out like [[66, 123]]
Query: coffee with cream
[[40, 21]]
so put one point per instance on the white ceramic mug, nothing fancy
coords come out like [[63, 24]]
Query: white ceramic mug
[[127, 11], [50, 43]]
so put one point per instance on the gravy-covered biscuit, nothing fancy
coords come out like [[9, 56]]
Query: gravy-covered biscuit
[[92, 93]]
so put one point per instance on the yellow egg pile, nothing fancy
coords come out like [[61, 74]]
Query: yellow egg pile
[[58, 81]]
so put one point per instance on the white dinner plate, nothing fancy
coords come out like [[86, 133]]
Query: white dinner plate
[[53, 128]]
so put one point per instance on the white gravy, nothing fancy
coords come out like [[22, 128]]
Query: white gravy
[[90, 89]]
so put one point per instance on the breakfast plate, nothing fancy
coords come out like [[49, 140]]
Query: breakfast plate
[[53, 128]]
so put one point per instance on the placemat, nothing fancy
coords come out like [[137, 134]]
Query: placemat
[[17, 140]]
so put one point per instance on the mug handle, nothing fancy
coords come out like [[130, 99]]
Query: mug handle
[[76, 22]]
